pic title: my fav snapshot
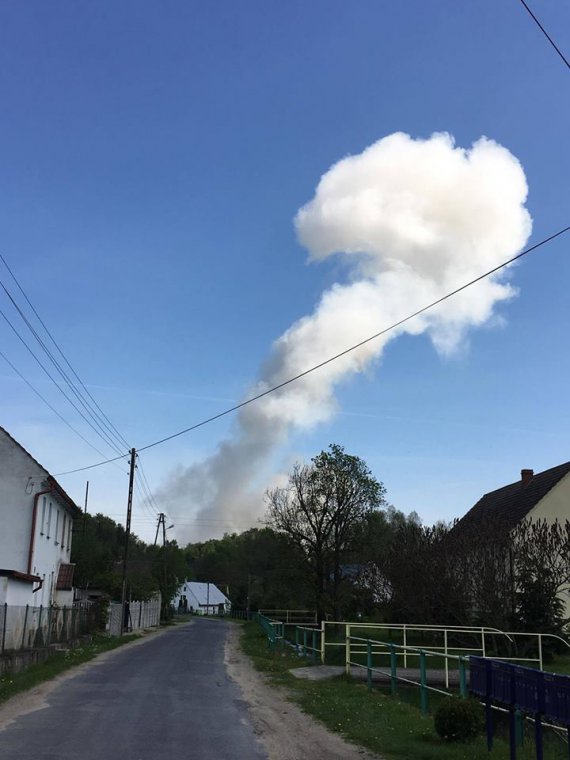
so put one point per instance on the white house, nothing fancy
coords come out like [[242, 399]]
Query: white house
[[36, 521], [202, 598]]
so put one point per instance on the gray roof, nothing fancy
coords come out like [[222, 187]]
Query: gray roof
[[202, 594]]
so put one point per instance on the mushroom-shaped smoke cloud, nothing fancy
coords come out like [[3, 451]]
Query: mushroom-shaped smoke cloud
[[414, 219]]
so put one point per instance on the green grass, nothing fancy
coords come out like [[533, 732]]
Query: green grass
[[391, 726], [13, 683]]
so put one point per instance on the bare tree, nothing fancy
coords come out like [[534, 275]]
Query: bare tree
[[542, 566]]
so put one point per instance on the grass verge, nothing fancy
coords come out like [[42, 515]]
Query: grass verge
[[13, 683], [393, 727]]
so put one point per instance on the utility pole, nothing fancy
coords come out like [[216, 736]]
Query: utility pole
[[127, 536], [161, 519], [248, 596], [85, 510]]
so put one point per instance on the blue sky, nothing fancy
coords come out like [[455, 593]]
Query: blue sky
[[153, 157]]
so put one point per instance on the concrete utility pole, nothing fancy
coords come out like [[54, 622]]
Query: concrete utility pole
[[127, 536], [161, 521], [85, 510]]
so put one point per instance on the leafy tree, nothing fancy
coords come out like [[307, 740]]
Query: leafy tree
[[320, 510], [259, 566], [98, 550]]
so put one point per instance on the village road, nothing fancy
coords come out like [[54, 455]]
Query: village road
[[168, 697]]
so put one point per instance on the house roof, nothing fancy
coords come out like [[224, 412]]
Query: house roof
[[202, 594], [51, 481], [17, 575], [511, 504]]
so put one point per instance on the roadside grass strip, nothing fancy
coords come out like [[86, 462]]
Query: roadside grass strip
[[13, 683], [392, 727]]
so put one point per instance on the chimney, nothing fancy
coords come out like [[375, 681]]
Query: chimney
[[526, 476]]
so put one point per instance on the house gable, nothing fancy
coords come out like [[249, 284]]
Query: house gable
[[509, 505], [36, 517]]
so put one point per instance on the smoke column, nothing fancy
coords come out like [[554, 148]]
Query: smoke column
[[413, 219]]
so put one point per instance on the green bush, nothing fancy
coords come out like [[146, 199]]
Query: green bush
[[457, 720]]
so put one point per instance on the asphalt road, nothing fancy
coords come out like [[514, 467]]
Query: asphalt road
[[169, 697]]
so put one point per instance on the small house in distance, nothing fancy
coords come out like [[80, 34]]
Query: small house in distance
[[36, 523], [201, 599]]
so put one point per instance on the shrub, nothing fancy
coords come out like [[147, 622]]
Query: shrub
[[457, 720]]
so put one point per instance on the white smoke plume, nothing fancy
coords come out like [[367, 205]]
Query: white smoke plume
[[414, 219]]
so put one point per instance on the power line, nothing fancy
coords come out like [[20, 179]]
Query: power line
[[58, 386], [393, 326], [148, 488], [548, 37], [47, 403], [144, 502], [110, 426], [95, 419]]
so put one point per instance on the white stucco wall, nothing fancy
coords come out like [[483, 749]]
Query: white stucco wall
[[556, 506], [556, 503], [21, 478]]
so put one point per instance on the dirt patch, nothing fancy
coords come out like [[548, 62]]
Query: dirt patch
[[36, 698], [285, 730]]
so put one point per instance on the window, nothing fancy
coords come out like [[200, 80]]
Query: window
[[63, 531], [43, 522], [50, 509], [56, 528]]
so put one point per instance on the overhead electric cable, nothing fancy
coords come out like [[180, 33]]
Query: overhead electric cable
[[148, 489], [53, 340], [393, 326], [47, 403], [108, 434], [548, 37], [108, 441], [144, 502]]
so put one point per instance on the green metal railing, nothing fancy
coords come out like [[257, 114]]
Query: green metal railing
[[274, 629], [373, 648], [308, 640]]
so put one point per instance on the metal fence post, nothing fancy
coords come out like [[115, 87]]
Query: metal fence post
[[446, 660], [25, 624], [462, 678], [369, 664], [50, 611], [4, 626], [393, 670], [347, 650], [323, 642], [405, 649], [540, 649], [39, 637], [423, 683]]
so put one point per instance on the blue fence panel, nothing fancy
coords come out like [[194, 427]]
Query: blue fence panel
[[478, 667], [529, 690], [557, 698], [501, 682]]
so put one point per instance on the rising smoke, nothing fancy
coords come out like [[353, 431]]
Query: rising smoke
[[413, 219]]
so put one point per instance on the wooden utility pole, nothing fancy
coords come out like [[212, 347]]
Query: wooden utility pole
[[127, 536]]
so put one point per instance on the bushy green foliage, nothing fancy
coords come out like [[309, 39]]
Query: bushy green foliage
[[98, 550], [457, 720]]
